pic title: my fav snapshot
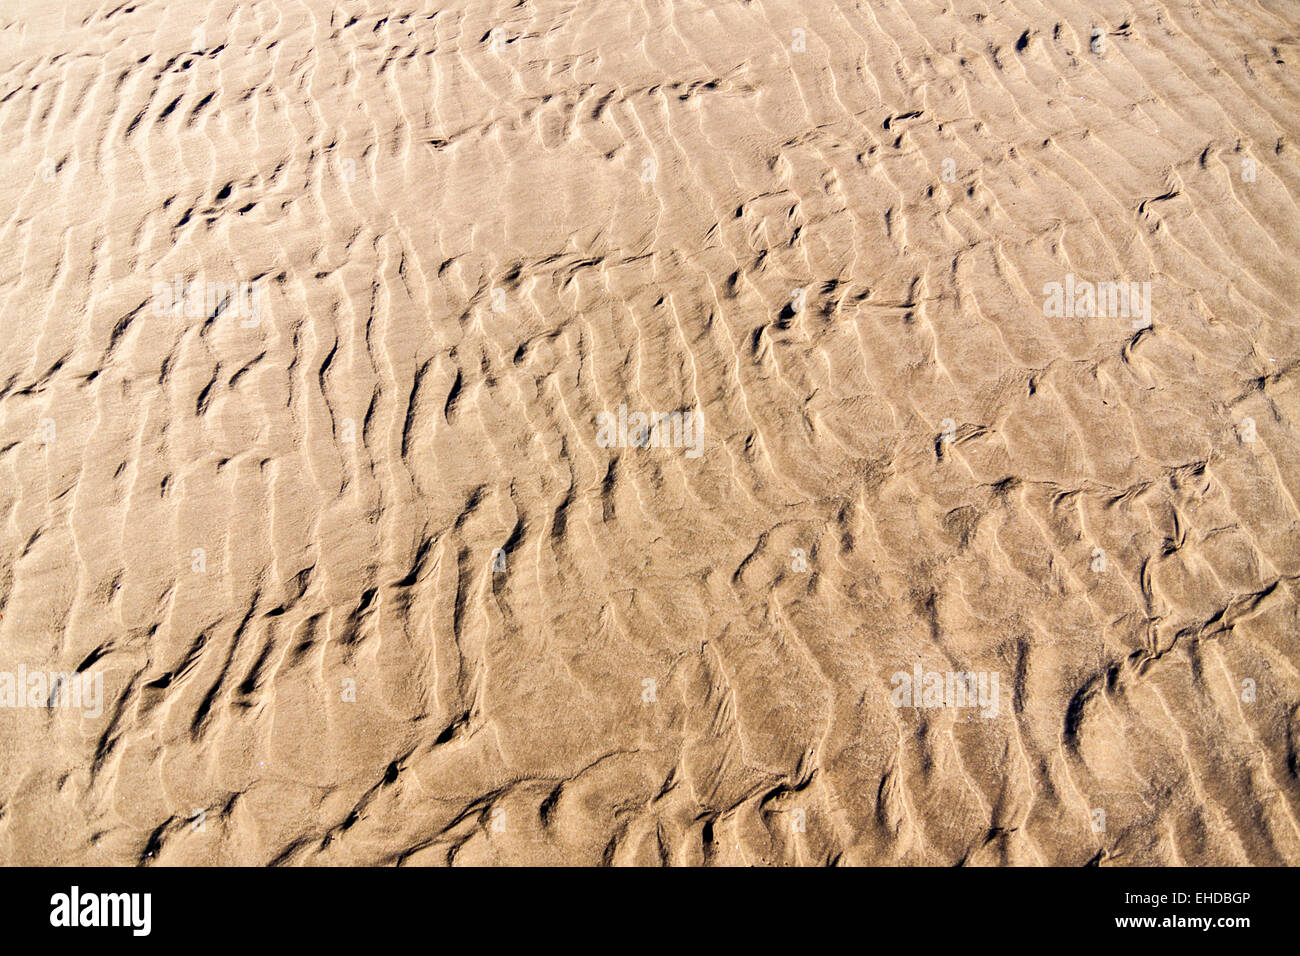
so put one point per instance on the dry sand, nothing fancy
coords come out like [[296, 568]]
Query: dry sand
[[362, 582]]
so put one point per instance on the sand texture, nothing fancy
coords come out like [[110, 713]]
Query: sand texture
[[327, 330]]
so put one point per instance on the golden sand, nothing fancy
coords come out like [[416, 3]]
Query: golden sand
[[314, 314]]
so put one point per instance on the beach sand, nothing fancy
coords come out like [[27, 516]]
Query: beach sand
[[314, 313]]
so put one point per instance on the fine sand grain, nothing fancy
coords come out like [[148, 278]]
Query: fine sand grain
[[968, 530]]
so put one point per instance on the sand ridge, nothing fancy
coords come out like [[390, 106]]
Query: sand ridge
[[313, 309]]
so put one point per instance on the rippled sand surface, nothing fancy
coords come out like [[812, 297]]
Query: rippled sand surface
[[314, 314]]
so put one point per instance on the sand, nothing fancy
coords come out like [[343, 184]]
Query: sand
[[333, 337]]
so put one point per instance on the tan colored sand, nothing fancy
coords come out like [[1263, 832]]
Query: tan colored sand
[[469, 231]]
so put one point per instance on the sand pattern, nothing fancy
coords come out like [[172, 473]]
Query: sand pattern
[[312, 309]]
